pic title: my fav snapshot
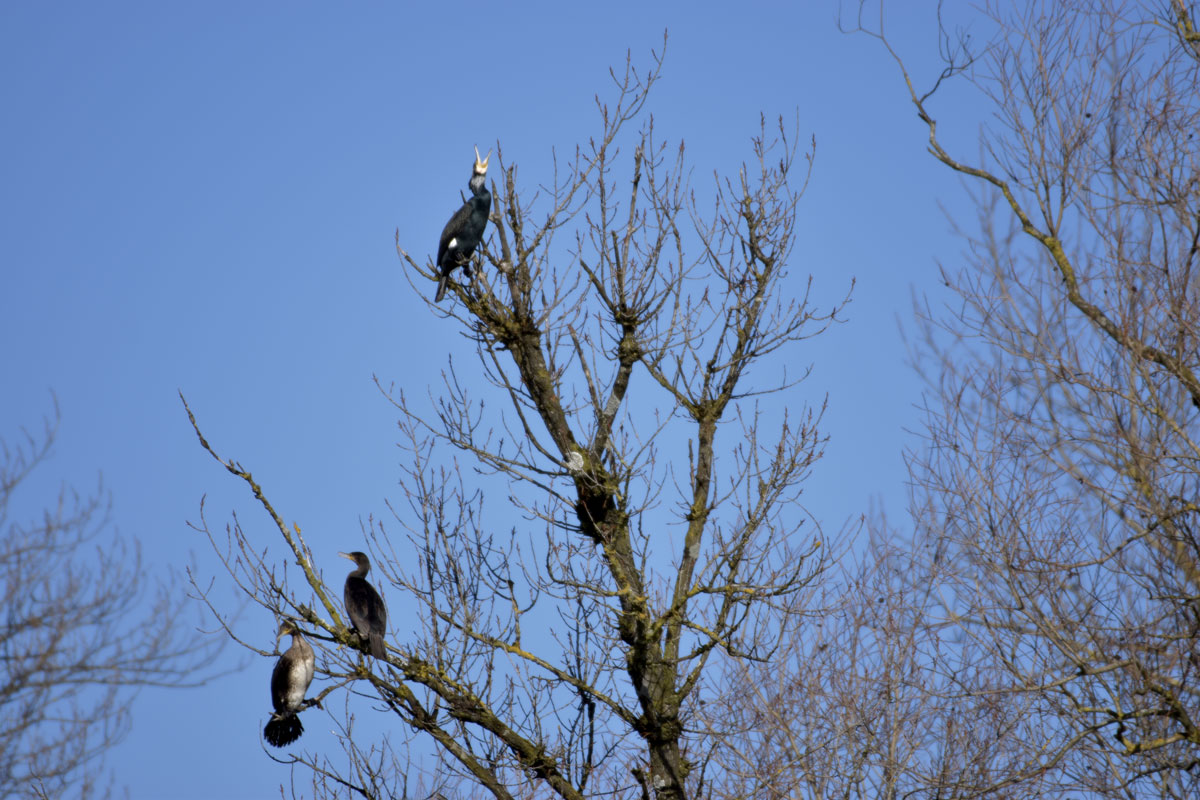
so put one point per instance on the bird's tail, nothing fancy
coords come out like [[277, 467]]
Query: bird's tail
[[282, 729], [441, 290], [377, 648]]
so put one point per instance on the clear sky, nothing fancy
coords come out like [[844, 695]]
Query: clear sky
[[203, 197]]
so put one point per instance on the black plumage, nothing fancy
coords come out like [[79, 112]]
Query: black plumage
[[367, 612], [289, 681], [462, 233]]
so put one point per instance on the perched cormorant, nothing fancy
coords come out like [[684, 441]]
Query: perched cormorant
[[364, 605], [464, 230], [293, 673]]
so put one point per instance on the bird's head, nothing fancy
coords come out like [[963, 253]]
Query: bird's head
[[285, 627], [359, 558], [481, 166]]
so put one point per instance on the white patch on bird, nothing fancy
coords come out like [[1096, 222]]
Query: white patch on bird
[[453, 242]]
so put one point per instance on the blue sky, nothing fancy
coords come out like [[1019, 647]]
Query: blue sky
[[203, 198]]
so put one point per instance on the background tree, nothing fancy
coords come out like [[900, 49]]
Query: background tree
[[82, 630], [1036, 635], [565, 650], [1056, 495]]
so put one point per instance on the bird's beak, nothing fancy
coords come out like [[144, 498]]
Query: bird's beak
[[481, 166], [346, 555]]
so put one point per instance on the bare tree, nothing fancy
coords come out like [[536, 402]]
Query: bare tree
[[605, 505], [1057, 495], [83, 629]]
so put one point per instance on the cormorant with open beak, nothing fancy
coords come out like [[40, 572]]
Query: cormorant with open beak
[[464, 230], [290, 680], [367, 613]]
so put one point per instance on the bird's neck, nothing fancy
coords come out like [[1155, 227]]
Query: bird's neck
[[478, 185]]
